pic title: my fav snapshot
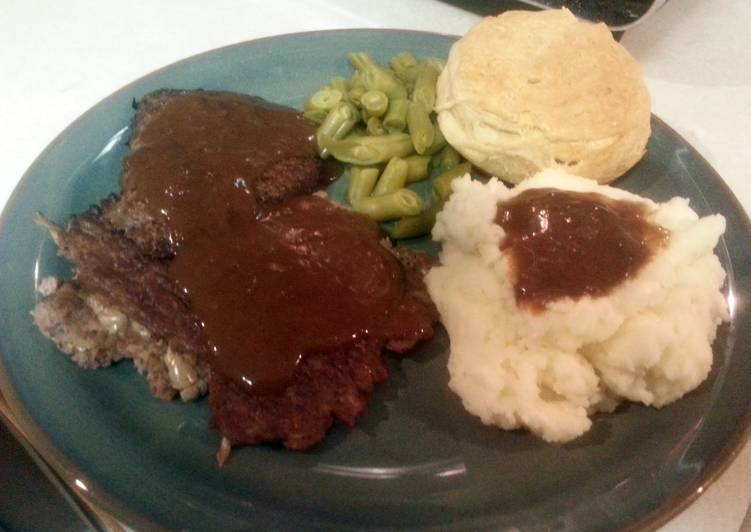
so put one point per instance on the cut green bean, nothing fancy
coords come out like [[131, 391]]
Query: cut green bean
[[362, 180], [418, 167], [324, 99], [402, 62], [418, 225], [357, 80], [340, 121], [442, 183], [421, 129], [393, 178], [403, 202], [378, 114], [405, 67], [375, 127], [317, 116], [373, 76], [434, 62], [424, 89], [400, 93], [368, 151], [355, 93], [448, 157], [409, 74], [396, 116], [374, 103], [439, 141], [342, 85]]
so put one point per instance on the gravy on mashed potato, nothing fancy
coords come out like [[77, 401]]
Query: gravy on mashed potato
[[571, 244], [646, 339]]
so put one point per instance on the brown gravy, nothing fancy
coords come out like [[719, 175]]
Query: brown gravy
[[573, 244], [196, 161], [268, 286], [309, 277]]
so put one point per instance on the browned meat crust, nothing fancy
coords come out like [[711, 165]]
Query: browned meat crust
[[111, 266], [120, 257], [417, 309], [281, 180], [96, 336], [326, 387]]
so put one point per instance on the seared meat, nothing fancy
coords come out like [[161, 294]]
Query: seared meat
[[112, 267], [123, 304], [121, 254], [120, 251], [326, 387], [413, 321], [96, 336], [208, 134]]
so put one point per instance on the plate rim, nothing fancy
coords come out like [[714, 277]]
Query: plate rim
[[119, 509]]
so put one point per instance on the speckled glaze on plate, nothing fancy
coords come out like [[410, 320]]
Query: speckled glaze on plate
[[416, 460]]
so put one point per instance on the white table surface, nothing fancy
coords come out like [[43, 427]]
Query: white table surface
[[57, 59]]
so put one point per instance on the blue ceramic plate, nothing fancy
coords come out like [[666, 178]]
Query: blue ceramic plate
[[416, 460]]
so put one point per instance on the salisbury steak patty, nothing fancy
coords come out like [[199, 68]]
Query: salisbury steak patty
[[121, 250], [186, 144], [327, 386], [113, 267], [211, 182], [122, 304]]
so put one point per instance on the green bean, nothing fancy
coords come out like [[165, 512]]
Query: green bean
[[340, 121], [400, 93], [400, 203], [411, 77], [417, 167], [357, 80], [378, 114], [374, 103], [393, 178], [405, 68], [408, 74], [439, 141], [424, 90], [324, 99], [420, 128], [396, 116], [362, 180], [340, 84], [448, 157], [401, 62], [442, 183], [373, 76], [367, 151], [418, 225], [375, 127], [355, 93], [434, 62], [317, 116]]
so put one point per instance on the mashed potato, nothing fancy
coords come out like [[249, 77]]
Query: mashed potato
[[648, 340]]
